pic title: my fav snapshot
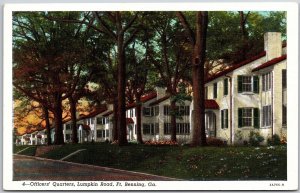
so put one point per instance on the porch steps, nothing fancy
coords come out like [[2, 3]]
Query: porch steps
[[75, 152]]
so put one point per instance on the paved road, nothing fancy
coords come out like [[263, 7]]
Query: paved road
[[32, 168]]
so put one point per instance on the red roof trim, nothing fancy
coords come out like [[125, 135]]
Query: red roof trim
[[144, 99], [93, 113], [211, 104], [129, 121], [107, 114], [159, 100], [235, 66], [270, 63]]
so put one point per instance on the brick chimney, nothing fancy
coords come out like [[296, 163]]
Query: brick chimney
[[273, 45]]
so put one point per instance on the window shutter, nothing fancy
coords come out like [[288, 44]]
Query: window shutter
[[283, 78], [256, 117], [226, 122], [225, 86], [156, 110], [156, 129], [215, 90], [240, 84], [144, 109], [152, 111], [240, 117], [255, 84], [222, 119]]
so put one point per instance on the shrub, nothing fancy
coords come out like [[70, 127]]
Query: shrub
[[283, 140], [212, 141], [255, 138], [161, 143], [275, 140]]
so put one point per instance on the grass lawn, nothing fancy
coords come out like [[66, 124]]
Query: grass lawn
[[209, 163], [29, 151]]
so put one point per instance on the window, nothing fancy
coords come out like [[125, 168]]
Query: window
[[107, 133], [184, 110], [248, 117], [100, 133], [215, 90], [68, 127], [284, 121], [102, 120], [225, 86], [147, 111], [182, 128], [248, 84], [167, 128], [150, 129], [151, 111], [68, 137], [266, 115], [166, 110], [206, 92], [224, 118], [131, 113], [267, 81], [284, 78]]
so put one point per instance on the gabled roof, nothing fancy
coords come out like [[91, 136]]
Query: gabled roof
[[211, 104], [107, 114], [159, 100], [144, 99], [93, 113], [270, 63], [235, 66]]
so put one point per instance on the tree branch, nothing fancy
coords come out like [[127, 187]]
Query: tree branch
[[188, 29]]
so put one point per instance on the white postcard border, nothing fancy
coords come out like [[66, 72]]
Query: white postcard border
[[292, 96]]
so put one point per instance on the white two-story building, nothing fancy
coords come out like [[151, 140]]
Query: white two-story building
[[251, 95]]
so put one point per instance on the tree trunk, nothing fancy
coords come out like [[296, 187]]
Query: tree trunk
[[138, 111], [59, 138], [244, 34], [73, 119], [48, 129], [173, 120], [199, 136], [115, 120], [122, 135]]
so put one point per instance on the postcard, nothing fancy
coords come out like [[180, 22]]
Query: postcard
[[151, 96]]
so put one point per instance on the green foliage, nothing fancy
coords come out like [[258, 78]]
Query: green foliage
[[255, 138], [30, 151], [183, 162], [275, 140]]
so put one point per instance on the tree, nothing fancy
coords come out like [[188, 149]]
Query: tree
[[42, 60], [198, 42], [138, 68], [170, 57]]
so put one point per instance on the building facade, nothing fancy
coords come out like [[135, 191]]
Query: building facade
[[248, 96]]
